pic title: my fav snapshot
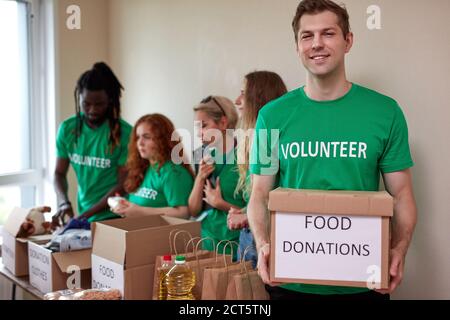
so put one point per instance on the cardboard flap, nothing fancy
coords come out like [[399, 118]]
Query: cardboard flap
[[43, 238], [109, 242], [15, 220], [362, 203], [80, 258]]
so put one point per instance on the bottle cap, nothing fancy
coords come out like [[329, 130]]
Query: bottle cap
[[180, 259], [167, 258]]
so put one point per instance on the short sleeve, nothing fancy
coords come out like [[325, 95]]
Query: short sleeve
[[61, 143], [177, 187], [264, 158], [397, 154]]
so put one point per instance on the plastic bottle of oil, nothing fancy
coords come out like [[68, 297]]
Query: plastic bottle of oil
[[166, 265], [180, 280]]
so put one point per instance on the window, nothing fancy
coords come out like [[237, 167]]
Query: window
[[23, 118]]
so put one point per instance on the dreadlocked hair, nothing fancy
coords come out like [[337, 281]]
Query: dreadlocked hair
[[101, 77], [161, 129]]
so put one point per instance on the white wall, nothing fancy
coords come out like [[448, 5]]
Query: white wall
[[171, 54], [76, 52]]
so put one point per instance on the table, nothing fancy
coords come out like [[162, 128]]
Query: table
[[22, 282]]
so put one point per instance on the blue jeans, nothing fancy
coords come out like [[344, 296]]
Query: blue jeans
[[246, 240]]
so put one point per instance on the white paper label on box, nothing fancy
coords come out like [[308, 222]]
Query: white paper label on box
[[9, 251], [326, 247], [107, 274], [40, 267]]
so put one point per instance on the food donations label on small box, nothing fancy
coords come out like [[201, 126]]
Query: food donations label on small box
[[40, 267], [107, 274]]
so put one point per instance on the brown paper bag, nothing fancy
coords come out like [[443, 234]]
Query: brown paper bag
[[246, 285], [174, 252], [216, 278], [190, 256], [201, 263]]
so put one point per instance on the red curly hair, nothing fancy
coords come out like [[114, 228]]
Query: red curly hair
[[161, 128]]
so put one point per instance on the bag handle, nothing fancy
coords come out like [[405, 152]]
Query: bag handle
[[193, 244], [196, 250], [175, 239], [170, 239], [228, 242]]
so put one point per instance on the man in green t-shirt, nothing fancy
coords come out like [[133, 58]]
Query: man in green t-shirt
[[94, 142], [331, 134]]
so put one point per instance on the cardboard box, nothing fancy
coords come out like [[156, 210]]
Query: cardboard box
[[124, 252], [330, 237], [15, 250], [52, 271]]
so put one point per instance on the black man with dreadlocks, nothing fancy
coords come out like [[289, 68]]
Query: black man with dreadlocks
[[95, 142]]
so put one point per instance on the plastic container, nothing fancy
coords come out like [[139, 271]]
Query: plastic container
[[180, 280], [166, 265]]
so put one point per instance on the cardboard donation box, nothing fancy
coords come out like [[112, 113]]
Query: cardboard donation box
[[330, 237], [125, 250], [53, 271], [14, 249]]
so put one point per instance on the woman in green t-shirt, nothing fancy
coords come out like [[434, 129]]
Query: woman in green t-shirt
[[155, 184], [259, 88], [217, 173]]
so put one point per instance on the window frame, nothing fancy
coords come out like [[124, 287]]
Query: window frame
[[41, 105]]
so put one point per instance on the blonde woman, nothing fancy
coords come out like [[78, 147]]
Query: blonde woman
[[213, 194], [259, 88]]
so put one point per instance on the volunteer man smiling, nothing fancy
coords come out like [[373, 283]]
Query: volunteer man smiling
[[333, 135]]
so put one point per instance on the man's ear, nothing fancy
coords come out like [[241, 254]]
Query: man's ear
[[349, 42]]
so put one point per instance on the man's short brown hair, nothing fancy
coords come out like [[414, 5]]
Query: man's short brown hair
[[318, 6]]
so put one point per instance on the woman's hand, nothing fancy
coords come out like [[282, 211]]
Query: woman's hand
[[237, 219], [126, 209], [213, 196], [205, 170]]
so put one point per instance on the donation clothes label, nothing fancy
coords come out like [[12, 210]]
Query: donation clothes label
[[9, 251], [40, 267]]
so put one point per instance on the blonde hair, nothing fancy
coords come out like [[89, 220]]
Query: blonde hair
[[261, 88], [216, 107]]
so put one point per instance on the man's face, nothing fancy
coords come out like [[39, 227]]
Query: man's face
[[95, 105], [321, 44]]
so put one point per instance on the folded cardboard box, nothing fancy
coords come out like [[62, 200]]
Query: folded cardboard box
[[330, 237], [124, 252], [52, 271], [14, 249]]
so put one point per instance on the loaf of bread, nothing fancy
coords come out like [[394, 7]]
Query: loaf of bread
[[80, 294], [98, 294]]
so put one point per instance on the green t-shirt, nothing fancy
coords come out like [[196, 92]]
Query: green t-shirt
[[168, 187], [215, 223], [331, 145], [95, 166]]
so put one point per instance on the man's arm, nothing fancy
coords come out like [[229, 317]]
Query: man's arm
[[258, 217], [61, 187], [399, 185]]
